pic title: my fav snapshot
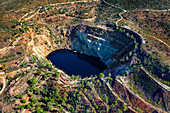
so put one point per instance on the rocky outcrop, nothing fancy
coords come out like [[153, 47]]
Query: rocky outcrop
[[94, 46], [99, 43]]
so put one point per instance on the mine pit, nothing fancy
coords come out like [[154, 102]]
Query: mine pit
[[93, 50]]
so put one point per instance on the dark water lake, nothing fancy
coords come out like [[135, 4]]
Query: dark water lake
[[76, 63]]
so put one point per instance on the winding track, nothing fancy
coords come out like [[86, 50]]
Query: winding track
[[36, 12], [121, 18], [116, 95], [4, 84], [158, 82], [150, 105], [124, 11], [143, 41]]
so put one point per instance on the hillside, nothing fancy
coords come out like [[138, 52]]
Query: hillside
[[13, 5], [133, 46], [141, 4]]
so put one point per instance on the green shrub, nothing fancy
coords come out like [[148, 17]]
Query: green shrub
[[33, 81], [28, 106], [124, 107], [23, 101], [101, 75], [4, 65], [119, 110], [34, 100], [22, 106]]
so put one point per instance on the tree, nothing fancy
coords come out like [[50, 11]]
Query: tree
[[119, 110], [92, 85], [22, 106], [130, 53], [37, 90], [112, 106], [23, 100], [127, 34], [34, 59], [107, 109], [56, 103], [127, 99], [117, 28], [18, 96], [127, 72], [50, 106], [34, 100], [106, 99], [116, 103], [4, 65], [88, 110], [63, 101], [33, 81], [124, 107], [28, 106], [18, 107], [85, 89], [79, 98], [127, 58], [57, 74], [32, 104], [136, 45], [88, 83], [101, 75]]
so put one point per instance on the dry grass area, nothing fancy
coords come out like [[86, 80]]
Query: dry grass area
[[14, 5], [154, 23], [152, 45]]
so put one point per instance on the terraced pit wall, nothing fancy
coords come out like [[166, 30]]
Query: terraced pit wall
[[108, 45]]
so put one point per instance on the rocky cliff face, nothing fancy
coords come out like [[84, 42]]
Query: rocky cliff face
[[94, 46], [98, 43]]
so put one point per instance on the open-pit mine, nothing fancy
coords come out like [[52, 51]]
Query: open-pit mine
[[80, 56]]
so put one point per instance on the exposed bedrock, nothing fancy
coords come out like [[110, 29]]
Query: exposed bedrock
[[108, 45], [94, 46]]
